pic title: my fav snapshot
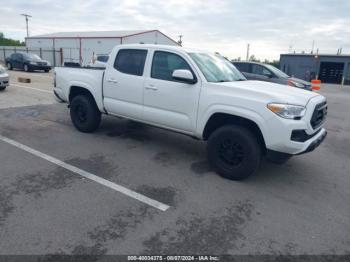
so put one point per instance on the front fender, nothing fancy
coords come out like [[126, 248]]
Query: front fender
[[234, 111]]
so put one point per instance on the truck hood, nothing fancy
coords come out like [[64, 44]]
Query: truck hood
[[273, 92]]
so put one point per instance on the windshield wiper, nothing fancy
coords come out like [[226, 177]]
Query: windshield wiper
[[240, 79]]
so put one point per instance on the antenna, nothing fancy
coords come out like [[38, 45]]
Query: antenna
[[180, 40]]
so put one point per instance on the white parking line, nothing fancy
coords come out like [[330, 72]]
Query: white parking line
[[33, 88], [83, 173], [30, 74]]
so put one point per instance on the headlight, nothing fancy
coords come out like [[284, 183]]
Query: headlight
[[287, 111], [296, 84]]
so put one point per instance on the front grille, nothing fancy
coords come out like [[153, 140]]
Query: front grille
[[319, 115], [41, 63]]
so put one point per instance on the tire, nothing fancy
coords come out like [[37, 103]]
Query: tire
[[9, 66], [277, 158], [234, 152], [2, 88], [46, 70], [26, 68], [84, 113]]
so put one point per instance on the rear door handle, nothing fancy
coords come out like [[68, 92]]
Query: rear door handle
[[151, 87], [111, 80]]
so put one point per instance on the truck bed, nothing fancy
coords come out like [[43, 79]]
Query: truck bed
[[66, 77]]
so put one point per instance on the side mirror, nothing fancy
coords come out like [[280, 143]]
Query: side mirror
[[184, 75], [268, 75]]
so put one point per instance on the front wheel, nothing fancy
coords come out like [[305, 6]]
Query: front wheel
[[26, 68], [234, 152], [2, 88], [9, 66], [85, 114]]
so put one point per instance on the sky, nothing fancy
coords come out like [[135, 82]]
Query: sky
[[225, 26]]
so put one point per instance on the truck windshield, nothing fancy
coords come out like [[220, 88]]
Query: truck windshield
[[277, 72], [215, 68]]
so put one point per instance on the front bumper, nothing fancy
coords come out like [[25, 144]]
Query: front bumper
[[39, 67], [315, 143], [279, 132], [4, 80]]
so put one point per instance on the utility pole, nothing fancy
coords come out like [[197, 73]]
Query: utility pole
[[248, 46], [26, 16]]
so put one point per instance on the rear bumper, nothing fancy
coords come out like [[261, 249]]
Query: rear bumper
[[57, 97]]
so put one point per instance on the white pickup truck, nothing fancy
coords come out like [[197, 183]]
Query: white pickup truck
[[199, 94]]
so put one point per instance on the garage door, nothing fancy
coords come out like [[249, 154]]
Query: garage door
[[331, 72]]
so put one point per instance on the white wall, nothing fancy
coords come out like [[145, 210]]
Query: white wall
[[39, 43], [148, 38], [98, 46], [71, 46]]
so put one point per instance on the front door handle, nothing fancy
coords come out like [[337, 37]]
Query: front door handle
[[111, 80], [151, 87]]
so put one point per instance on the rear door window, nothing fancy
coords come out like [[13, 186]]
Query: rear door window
[[131, 61]]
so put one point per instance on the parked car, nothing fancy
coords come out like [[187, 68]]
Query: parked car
[[27, 62], [99, 61], [269, 73], [4, 78], [199, 94]]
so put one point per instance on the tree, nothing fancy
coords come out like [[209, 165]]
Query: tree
[[274, 63], [9, 42], [252, 58]]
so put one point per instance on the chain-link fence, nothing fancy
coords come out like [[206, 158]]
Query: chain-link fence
[[55, 57]]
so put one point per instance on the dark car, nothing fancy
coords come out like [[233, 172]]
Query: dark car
[[27, 62], [269, 73]]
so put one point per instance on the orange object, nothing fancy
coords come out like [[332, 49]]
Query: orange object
[[316, 84]]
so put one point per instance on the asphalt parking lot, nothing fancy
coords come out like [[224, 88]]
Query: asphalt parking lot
[[301, 207]]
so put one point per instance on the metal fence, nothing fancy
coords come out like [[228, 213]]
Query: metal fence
[[54, 56]]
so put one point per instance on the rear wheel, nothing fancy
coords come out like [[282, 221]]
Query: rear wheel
[[9, 66], [46, 70], [26, 68], [234, 152], [2, 88], [84, 113]]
